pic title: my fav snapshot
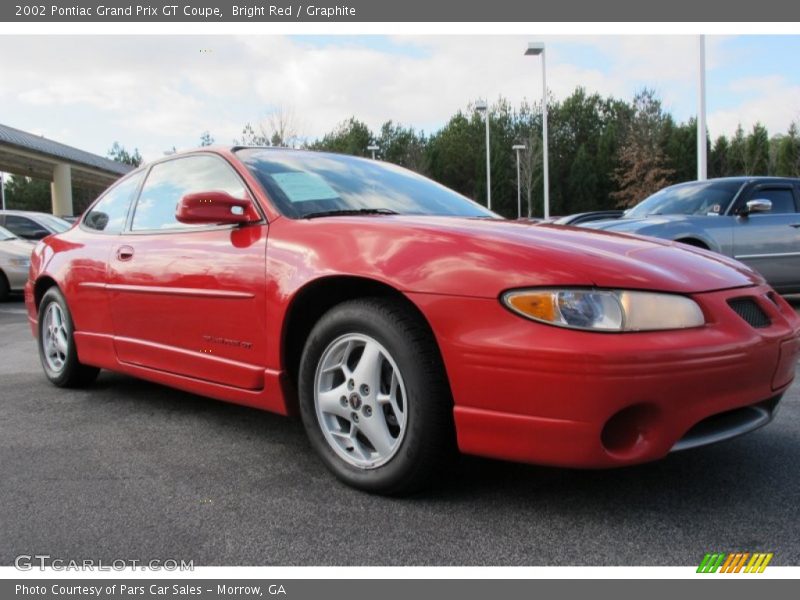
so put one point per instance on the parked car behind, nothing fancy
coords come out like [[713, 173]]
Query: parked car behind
[[755, 220], [15, 260], [32, 226]]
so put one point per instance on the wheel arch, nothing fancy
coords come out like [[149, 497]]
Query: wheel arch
[[316, 298], [40, 287], [696, 241]]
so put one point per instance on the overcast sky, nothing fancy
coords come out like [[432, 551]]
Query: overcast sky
[[156, 92]]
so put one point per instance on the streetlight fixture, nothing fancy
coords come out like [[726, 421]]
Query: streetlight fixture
[[702, 159], [374, 148], [517, 148], [535, 49], [482, 107]]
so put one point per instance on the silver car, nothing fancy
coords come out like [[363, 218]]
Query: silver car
[[15, 261], [31, 225], [753, 219]]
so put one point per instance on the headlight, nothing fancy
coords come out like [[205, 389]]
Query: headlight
[[20, 262], [605, 310]]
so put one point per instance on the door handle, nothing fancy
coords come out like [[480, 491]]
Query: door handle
[[124, 253], [795, 225]]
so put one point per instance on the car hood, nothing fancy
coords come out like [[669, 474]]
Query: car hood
[[483, 257]]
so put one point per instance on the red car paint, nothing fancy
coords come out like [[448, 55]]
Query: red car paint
[[208, 315]]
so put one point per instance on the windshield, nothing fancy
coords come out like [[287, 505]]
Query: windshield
[[305, 183], [695, 198], [5, 234], [56, 224]]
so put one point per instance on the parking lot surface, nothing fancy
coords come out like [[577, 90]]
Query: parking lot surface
[[132, 470]]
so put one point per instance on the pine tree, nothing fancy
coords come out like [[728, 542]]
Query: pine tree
[[787, 159], [402, 146], [757, 151], [737, 153], [119, 154], [582, 182], [642, 167], [718, 158], [350, 137]]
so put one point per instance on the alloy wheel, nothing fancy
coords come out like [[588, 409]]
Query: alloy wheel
[[360, 400], [55, 337]]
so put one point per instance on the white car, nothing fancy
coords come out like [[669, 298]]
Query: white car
[[15, 260]]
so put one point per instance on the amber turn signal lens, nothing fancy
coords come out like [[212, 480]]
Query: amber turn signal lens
[[537, 305]]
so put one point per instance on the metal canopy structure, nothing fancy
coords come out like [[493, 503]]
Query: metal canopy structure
[[23, 153]]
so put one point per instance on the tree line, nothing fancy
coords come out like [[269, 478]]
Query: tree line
[[604, 152]]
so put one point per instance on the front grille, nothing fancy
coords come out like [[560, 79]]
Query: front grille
[[750, 311]]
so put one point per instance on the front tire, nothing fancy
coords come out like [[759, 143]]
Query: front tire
[[374, 397], [57, 351]]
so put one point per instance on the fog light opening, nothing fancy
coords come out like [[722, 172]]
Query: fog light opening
[[630, 430]]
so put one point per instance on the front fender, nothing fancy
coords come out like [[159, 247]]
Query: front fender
[[719, 240], [701, 237]]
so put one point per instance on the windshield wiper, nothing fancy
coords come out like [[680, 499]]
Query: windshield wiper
[[343, 212]]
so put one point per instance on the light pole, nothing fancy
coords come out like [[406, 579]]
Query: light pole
[[535, 49], [517, 148], [3, 190], [702, 159], [482, 106], [374, 148]]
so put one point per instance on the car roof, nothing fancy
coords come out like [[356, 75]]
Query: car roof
[[741, 179], [27, 213], [219, 149]]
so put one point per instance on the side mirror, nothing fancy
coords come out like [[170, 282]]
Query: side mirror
[[757, 206], [215, 208]]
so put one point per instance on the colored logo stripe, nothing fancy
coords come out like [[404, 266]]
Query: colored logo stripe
[[711, 562], [758, 563], [734, 562]]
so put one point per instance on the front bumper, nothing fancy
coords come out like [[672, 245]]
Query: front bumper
[[535, 393]]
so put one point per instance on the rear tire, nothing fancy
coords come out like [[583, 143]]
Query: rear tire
[[4, 287], [57, 351], [374, 397]]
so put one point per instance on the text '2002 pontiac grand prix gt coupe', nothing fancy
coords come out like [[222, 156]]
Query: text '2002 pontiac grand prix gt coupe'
[[402, 320]]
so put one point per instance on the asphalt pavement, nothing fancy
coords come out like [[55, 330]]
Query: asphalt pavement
[[133, 470]]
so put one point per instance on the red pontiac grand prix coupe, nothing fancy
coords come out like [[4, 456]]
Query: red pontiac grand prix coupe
[[402, 320]]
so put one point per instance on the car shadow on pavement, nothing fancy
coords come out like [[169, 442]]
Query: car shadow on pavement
[[726, 471]]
